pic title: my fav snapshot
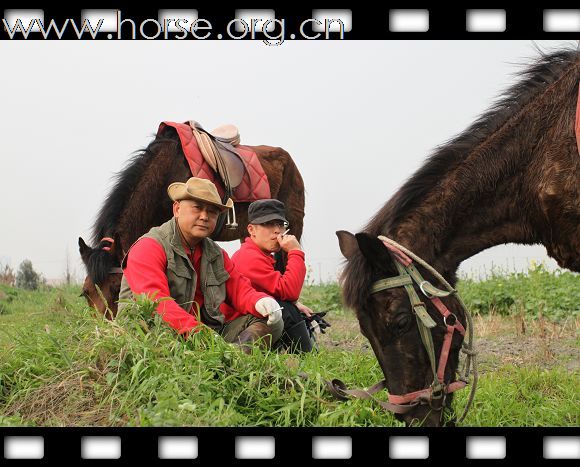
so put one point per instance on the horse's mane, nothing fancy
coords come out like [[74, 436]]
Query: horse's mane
[[126, 182], [547, 69], [544, 72], [98, 261]]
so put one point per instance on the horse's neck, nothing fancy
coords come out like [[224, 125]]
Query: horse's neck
[[139, 217], [512, 186], [445, 239], [149, 206], [471, 209]]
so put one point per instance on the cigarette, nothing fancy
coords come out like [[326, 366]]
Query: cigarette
[[287, 230]]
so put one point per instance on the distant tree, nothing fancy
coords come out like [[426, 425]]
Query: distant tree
[[27, 277], [67, 274], [7, 275]]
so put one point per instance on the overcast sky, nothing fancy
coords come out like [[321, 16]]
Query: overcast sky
[[357, 117]]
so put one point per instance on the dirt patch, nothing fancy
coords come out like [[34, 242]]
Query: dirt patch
[[68, 402], [498, 340], [344, 334], [527, 351]]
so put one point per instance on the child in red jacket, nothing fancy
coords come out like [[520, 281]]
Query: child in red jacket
[[267, 226]]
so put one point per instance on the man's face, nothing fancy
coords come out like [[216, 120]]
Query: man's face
[[196, 219], [266, 235]]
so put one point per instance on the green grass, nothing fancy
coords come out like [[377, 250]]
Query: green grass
[[21, 308], [62, 366], [554, 294], [512, 396], [326, 297]]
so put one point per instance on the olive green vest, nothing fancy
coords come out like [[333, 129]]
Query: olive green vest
[[182, 277]]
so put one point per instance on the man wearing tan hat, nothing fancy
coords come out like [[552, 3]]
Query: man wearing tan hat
[[178, 260]]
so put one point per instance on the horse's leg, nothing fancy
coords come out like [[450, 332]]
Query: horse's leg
[[286, 184]]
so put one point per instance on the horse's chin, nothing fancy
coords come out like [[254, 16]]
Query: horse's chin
[[422, 416]]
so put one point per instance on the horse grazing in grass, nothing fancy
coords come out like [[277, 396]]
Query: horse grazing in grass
[[512, 177], [139, 201]]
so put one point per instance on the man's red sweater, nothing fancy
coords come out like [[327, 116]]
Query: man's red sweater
[[145, 273], [259, 268]]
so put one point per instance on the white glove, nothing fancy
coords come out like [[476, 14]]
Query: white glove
[[269, 307]]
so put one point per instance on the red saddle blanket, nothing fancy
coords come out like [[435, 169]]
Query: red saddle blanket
[[254, 185]]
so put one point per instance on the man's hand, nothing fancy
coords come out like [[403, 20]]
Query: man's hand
[[268, 307], [318, 323], [288, 243], [304, 309]]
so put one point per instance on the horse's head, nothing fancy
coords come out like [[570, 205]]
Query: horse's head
[[104, 272], [392, 318]]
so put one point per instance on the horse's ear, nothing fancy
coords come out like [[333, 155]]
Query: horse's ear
[[373, 249], [347, 243], [83, 247]]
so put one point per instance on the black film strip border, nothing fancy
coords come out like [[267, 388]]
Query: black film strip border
[[216, 446], [367, 23]]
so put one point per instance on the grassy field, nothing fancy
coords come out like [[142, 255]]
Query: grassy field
[[62, 366]]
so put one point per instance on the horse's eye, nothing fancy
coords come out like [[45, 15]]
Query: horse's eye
[[403, 322]]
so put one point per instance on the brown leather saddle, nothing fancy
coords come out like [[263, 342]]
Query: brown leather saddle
[[218, 150]]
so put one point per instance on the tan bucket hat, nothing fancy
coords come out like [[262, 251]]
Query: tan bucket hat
[[198, 189]]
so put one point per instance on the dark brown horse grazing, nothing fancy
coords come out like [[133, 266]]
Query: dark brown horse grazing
[[139, 201], [512, 177]]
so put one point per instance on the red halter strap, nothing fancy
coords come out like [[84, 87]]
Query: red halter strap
[[113, 270], [107, 239]]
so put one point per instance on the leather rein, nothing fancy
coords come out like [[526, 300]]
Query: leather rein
[[435, 394]]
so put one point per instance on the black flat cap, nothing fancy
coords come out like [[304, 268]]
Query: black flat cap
[[265, 210]]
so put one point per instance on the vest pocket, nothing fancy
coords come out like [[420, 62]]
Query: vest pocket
[[180, 280], [213, 281], [216, 276], [215, 292], [179, 270]]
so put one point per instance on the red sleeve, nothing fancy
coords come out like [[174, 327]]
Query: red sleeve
[[145, 273], [260, 270], [240, 294]]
